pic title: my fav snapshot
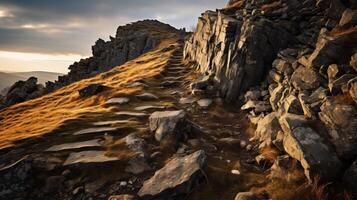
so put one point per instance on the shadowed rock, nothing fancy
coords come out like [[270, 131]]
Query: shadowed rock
[[176, 179]]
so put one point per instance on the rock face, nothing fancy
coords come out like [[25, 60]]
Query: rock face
[[237, 50], [296, 61], [177, 178], [239, 44], [22, 91]]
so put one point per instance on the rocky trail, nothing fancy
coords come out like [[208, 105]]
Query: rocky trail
[[114, 153]]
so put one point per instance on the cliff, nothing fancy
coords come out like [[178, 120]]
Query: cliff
[[292, 65]]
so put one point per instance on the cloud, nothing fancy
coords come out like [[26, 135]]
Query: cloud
[[71, 27], [51, 26]]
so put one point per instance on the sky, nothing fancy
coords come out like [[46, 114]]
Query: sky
[[49, 35]]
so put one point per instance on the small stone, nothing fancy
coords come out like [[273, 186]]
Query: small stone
[[123, 183], [122, 100], [187, 100], [235, 172], [204, 103]]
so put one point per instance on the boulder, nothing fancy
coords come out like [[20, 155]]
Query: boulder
[[293, 105], [306, 79], [267, 129], [138, 163], [176, 179], [169, 125], [337, 85], [305, 145], [204, 103], [341, 122], [333, 49], [92, 89]]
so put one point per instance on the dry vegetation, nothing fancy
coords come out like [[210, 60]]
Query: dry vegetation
[[45, 114]]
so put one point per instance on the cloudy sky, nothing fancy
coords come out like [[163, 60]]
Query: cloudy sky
[[48, 35]]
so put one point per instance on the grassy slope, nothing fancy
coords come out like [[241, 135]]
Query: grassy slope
[[45, 114]]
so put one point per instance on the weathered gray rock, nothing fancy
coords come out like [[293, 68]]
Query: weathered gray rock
[[341, 122], [176, 179], [168, 125], [204, 103], [305, 145], [147, 96], [293, 105], [87, 157], [329, 48], [131, 114], [306, 79], [121, 100], [188, 100], [92, 89], [138, 163], [76, 145], [267, 129], [144, 108], [95, 130]]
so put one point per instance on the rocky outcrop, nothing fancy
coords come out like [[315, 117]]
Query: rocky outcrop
[[293, 63], [239, 43], [130, 42], [22, 91]]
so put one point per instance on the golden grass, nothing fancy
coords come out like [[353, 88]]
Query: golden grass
[[45, 114]]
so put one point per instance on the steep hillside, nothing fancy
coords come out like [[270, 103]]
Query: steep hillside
[[131, 41], [45, 114]]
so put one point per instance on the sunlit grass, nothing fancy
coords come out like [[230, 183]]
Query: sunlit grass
[[45, 114]]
